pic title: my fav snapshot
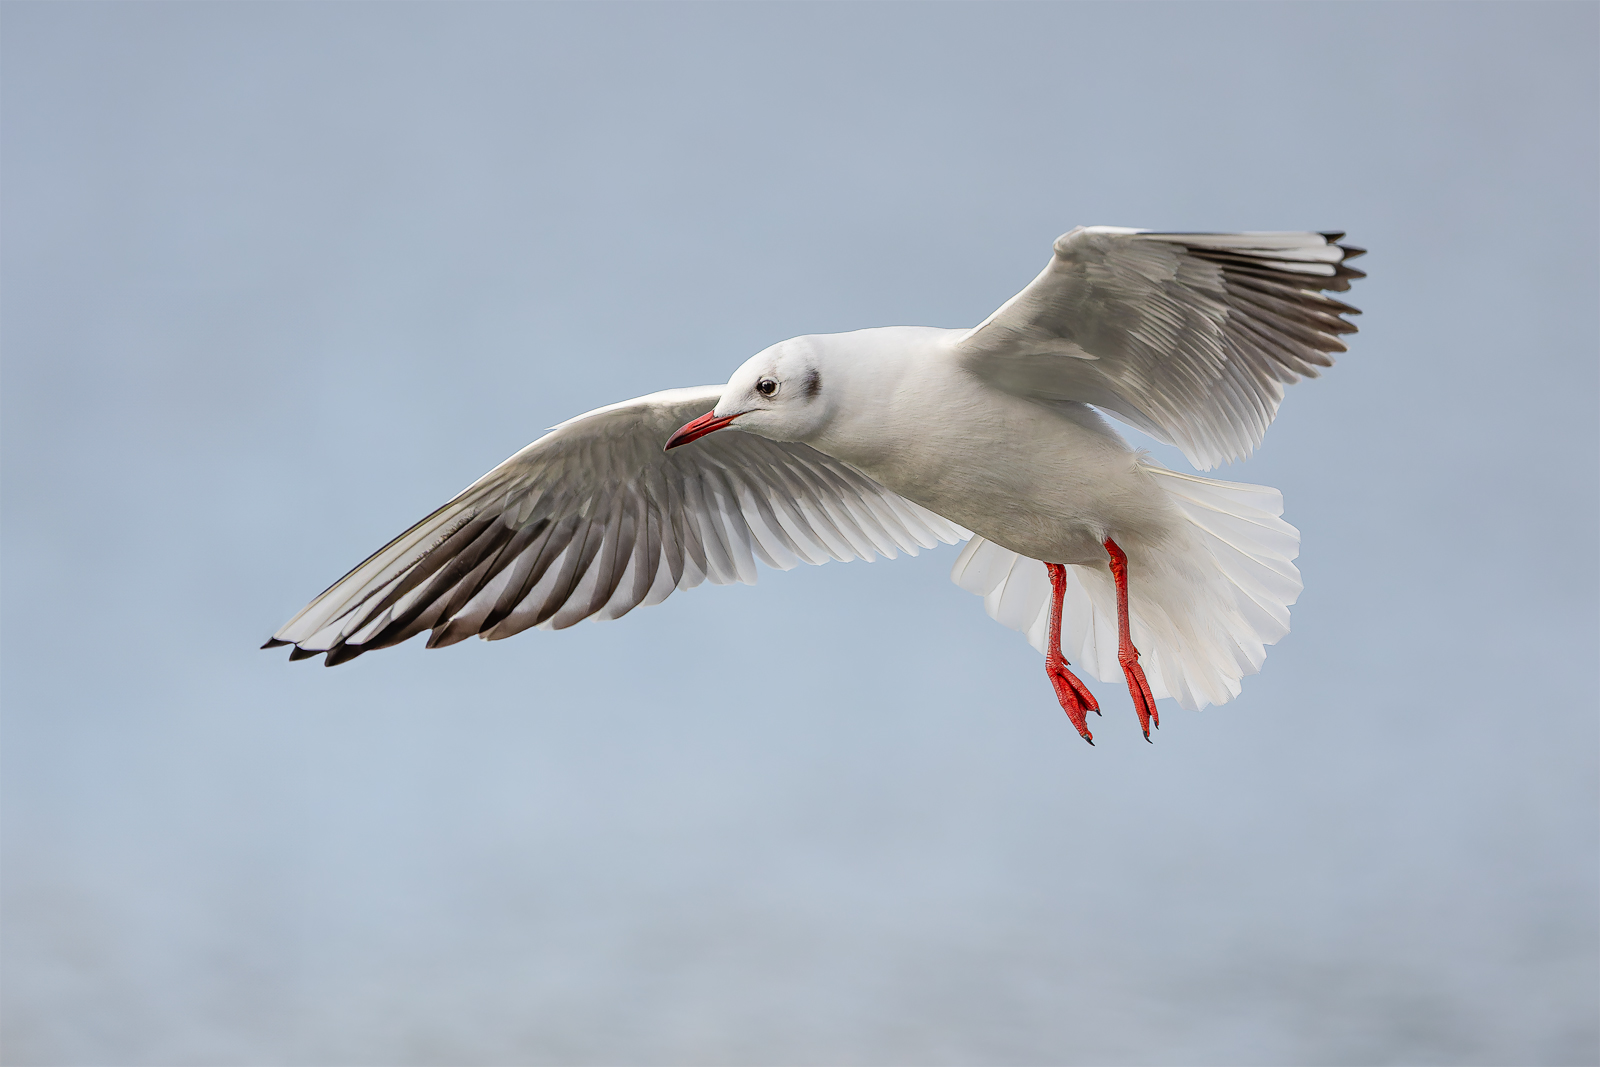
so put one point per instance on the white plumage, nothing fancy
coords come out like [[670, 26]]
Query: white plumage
[[1244, 551], [895, 439]]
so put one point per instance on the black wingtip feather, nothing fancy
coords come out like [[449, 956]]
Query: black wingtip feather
[[303, 653], [273, 642], [342, 654]]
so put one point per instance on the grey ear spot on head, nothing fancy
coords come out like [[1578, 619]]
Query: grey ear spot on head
[[813, 383]]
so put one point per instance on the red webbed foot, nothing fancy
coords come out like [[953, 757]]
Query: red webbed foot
[[1075, 698], [1143, 702]]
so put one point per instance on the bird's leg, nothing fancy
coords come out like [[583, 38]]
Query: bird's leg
[[1143, 702], [1076, 700]]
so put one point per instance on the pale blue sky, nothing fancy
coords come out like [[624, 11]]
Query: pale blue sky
[[279, 279]]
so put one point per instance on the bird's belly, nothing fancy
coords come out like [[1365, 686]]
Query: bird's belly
[[1050, 516], [1058, 535], [1047, 487]]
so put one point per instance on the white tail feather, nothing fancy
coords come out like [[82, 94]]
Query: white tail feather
[[1203, 604]]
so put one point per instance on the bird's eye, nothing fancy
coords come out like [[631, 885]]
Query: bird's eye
[[767, 387]]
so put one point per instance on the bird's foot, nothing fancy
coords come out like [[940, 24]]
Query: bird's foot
[[1144, 702], [1075, 698]]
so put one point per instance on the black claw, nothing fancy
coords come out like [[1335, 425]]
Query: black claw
[[1090, 740]]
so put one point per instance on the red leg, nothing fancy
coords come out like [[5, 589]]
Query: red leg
[[1076, 700], [1143, 702]]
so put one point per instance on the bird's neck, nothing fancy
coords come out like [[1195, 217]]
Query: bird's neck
[[882, 383]]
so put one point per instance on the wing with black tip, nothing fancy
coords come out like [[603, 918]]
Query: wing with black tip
[[1190, 337], [595, 519]]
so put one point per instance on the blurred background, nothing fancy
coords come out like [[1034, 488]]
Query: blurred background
[[279, 279]]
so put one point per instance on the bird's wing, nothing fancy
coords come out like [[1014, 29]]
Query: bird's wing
[[594, 519], [1190, 337]]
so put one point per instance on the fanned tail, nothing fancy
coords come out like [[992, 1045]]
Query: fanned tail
[[1204, 603]]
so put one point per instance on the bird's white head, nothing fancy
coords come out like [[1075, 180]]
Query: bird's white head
[[780, 394]]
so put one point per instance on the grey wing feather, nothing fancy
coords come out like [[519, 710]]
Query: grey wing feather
[[594, 519], [1190, 337]]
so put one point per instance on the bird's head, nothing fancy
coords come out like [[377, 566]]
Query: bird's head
[[778, 394]]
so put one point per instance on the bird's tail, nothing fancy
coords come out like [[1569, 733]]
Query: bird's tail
[[1203, 604]]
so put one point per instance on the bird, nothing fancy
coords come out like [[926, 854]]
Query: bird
[[896, 439]]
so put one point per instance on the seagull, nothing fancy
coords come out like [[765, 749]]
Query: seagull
[[895, 439]]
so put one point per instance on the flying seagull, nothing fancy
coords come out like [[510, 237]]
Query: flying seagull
[[866, 444]]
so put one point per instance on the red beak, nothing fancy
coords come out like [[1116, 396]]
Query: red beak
[[707, 423]]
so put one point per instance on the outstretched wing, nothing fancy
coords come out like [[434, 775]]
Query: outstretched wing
[[595, 519], [1190, 337]]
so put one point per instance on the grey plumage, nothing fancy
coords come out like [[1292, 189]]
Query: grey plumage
[[594, 519], [1191, 337]]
